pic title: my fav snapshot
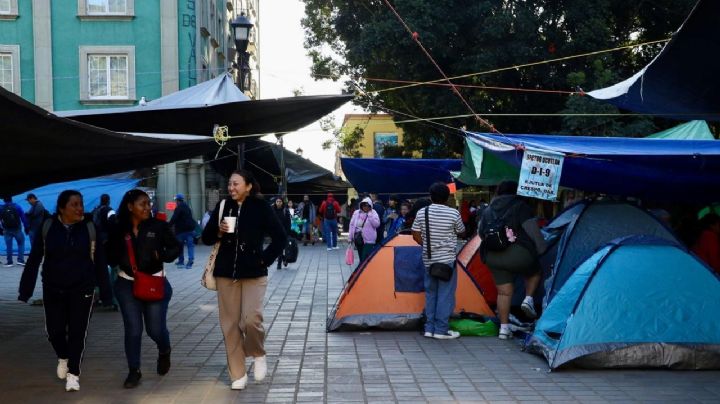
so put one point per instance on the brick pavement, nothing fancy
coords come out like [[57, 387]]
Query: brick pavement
[[305, 363]]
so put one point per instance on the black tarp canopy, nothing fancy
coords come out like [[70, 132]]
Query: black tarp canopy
[[41, 148], [303, 176], [195, 110]]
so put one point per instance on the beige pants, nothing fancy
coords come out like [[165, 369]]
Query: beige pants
[[240, 303]]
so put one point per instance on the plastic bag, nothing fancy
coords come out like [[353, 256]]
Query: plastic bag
[[467, 327], [349, 255]]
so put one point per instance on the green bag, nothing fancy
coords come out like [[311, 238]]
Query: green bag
[[467, 327]]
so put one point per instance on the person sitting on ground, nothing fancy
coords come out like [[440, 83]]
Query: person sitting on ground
[[520, 257], [444, 226], [364, 221], [707, 246]]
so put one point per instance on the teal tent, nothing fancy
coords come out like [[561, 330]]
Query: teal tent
[[637, 302], [693, 130], [483, 169]]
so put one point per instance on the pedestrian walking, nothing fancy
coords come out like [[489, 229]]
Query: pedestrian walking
[[291, 207], [379, 208], [13, 221], [35, 215], [436, 228], [73, 264], [511, 244], [138, 246], [329, 210], [363, 229], [283, 216], [348, 210], [241, 272], [184, 226], [101, 217], [306, 210]]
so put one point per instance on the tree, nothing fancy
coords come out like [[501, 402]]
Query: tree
[[363, 40]]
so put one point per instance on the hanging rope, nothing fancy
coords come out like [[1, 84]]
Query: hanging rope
[[416, 37], [522, 66]]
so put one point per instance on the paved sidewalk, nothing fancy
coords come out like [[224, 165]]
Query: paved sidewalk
[[305, 363]]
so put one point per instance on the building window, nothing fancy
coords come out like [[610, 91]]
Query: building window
[[10, 68], [106, 9], [382, 140], [107, 74], [8, 9]]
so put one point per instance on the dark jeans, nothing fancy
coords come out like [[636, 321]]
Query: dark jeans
[[187, 239], [19, 237], [330, 232], [134, 311], [67, 315]]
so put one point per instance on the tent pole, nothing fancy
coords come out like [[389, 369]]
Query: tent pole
[[241, 156]]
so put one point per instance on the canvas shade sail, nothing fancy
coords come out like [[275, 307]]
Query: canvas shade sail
[[398, 176], [483, 169], [659, 169], [41, 148], [681, 82]]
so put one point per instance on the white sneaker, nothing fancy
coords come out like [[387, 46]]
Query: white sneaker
[[449, 335], [336, 248], [330, 249], [428, 334], [505, 333], [260, 368], [240, 383], [529, 309], [72, 383], [62, 369]]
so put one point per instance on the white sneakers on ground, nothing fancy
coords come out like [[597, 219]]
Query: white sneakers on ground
[[240, 383], [428, 334], [528, 307], [505, 332], [450, 334], [62, 369], [329, 249], [260, 368], [72, 382]]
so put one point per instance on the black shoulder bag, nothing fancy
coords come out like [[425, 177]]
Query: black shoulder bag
[[358, 237], [438, 270]]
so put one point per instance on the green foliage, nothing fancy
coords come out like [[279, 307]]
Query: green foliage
[[364, 40]]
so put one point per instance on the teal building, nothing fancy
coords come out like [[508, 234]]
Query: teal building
[[75, 54]]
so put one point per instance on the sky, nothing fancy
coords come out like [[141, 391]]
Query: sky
[[284, 67]]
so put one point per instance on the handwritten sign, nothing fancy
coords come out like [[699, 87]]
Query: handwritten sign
[[540, 174]]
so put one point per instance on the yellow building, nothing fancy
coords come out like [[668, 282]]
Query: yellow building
[[378, 130]]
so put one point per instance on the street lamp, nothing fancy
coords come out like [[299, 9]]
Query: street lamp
[[241, 27]]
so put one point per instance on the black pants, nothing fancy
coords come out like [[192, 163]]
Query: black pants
[[67, 315]]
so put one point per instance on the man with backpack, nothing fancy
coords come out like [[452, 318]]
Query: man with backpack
[[101, 217], [511, 244], [329, 210], [36, 215], [13, 221], [184, 230]]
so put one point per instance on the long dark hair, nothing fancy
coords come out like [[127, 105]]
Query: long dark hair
[[249, 178], [64, 198], [123, 214]]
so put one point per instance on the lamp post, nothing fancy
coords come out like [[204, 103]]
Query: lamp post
[[241, 27]]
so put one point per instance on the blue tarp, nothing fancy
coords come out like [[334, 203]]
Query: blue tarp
[[681, 82], [398, 176], [91, 189], [659, 169]]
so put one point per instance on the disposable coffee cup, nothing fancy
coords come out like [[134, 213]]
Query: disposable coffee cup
[[230, 221]]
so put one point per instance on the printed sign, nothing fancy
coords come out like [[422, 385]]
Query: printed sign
[[540, 174], [170, 205]]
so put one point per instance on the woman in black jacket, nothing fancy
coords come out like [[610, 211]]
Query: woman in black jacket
[[241, 272], [283, 215], [153, 243], [73, 264]]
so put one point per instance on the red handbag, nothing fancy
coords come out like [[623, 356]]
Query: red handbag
[[146, 287]]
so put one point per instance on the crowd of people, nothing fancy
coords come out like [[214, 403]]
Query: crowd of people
[[76, 250]]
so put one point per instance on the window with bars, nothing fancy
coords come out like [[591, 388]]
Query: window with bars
[[106, 7], [108, 77], [6, 72]]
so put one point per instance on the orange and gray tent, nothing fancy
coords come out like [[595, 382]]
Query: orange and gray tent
[[468, 259], [387, 291]]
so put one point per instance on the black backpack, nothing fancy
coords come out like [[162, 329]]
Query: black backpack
[[99, 216], [10, 218], [493, 230], [330, 213]]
